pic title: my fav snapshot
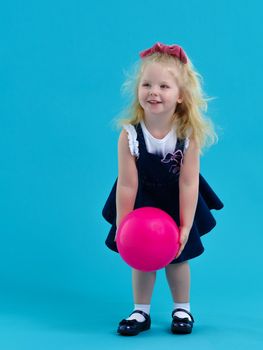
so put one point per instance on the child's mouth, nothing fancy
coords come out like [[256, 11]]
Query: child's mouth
[[154, 102]]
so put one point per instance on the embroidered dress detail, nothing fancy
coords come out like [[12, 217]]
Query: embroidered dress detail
[[132, 138], [176, 160]]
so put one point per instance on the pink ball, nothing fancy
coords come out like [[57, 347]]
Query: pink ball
[[148, 239]]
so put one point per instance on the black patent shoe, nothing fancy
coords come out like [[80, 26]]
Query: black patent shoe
[[133, 327], [182, 325]]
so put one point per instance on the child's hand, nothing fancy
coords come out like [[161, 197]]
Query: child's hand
[[184, 234]]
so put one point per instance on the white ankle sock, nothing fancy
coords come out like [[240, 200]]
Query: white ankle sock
[[138, 317], [182, 314]]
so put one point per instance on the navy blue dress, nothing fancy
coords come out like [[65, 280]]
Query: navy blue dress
[[159, 187]]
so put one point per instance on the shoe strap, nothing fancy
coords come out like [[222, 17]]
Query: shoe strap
[[146, 316], [183, 310]]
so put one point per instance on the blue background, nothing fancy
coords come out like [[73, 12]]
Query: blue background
[[62, 66]]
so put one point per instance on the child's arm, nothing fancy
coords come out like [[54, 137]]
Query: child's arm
[[127, 184], [188, 190]]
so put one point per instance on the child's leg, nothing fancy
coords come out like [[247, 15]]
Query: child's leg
[[142, 283], [178, 277]]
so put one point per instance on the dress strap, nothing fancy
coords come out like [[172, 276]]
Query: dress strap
[[141, 137], [180, 144]]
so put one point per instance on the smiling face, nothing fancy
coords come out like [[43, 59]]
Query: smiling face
[[158, 91]]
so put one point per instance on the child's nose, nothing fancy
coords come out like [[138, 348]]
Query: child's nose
[[154, 91]]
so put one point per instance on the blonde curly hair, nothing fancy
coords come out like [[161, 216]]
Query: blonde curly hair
[[189, 116]]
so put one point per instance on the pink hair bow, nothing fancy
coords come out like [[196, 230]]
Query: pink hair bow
[[173, 50]]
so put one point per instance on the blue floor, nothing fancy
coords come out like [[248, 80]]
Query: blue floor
[[66, 323]]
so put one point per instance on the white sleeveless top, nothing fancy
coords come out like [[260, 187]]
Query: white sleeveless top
[[153, 145]]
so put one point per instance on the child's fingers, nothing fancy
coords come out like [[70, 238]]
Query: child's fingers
[[180, 250]]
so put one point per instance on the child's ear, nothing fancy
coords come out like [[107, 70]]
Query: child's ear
[[180, 100]]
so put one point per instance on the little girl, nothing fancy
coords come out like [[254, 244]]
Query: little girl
[[158, 165]]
